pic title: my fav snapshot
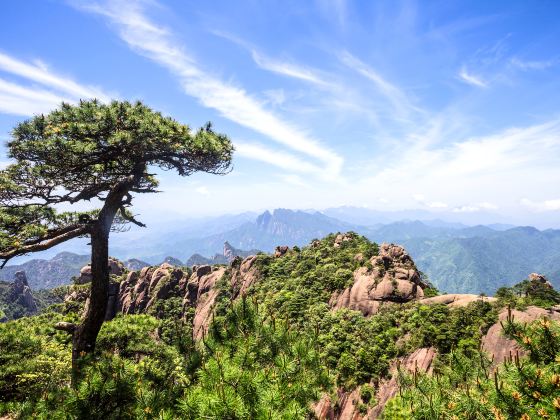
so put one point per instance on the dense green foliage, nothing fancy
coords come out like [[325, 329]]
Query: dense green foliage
[[248, 366], [356, 349], [528, 292], [471, 388]]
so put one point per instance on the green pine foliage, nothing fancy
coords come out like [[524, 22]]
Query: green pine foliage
[[469, 387], [249, 366], [528, 292], [255, 367]]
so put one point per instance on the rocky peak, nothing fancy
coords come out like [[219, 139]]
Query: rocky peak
[[172, 261], [536, 278], [135, 264], [263, 220], [391, 278], [340, 238], [20, 292], [281, 250], [229, 251]]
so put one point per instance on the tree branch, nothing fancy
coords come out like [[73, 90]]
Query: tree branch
[[45, 243], [130, 218]]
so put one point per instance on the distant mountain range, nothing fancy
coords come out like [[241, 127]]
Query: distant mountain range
[[46, 274], [457, 258]]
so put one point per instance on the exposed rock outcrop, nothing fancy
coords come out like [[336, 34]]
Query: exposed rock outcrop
[[420, 360], [348, 402], [201, 295], [499, 346], [116, 268], [140, 290], [281, 250], [244, 275], [340, 238], [393, 278], [539, 278], [20, 292]]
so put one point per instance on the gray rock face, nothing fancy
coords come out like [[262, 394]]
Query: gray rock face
[[21, 292]]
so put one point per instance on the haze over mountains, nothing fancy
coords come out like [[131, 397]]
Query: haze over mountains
[[457, 258]]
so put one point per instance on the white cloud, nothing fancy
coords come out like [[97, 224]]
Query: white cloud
[[499, 166], [39, 73], [282, 67], [471, 208], [547, 205], [274, 157], [532, 65], [53, 89], [399, 100], [234, 103], [421, 199], [287, 69], [202, 190], [20, 100], [471, 79]]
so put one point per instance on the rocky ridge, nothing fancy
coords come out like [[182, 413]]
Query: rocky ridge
[[388, 278]]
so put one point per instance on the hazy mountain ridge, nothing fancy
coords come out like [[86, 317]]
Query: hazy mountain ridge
[[46, 274], [457, 258]]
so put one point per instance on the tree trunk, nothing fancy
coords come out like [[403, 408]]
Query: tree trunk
[[86, 333]]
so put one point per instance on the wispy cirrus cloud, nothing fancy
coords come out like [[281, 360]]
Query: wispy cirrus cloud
[[288, 69], [160, 45], [527, 65], [283, 67], [471, 79], [400, 101], [38, 72], [38, 89], [20, 100]]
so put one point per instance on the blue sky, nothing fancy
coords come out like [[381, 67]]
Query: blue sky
[[447, 106]]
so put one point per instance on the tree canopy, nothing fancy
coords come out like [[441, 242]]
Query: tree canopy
[[89, 151]]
